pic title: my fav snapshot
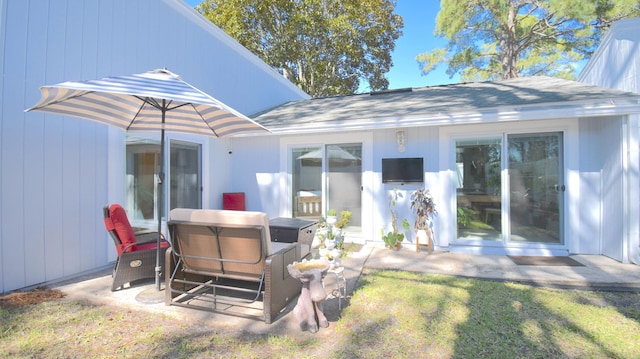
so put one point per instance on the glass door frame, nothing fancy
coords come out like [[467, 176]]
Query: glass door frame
[[325, 174], [287, 143], [191, 146], [448, 136], [153, 139], [558, 188], [486, 140]]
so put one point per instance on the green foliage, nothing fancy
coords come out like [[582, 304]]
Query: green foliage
[[393, 237], [396, 314], [345, 218], [423, 204], [324, 47], [405, 224], [332, 212], [493, 39], [462, 218], [391, 314]]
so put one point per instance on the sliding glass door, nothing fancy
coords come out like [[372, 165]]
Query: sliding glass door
[[143, 164], [306, 176], [479, 188], [535, 187], [344, 179], [517, 199], [327, 177], [185, 180]]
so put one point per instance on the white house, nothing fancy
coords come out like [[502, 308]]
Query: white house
[[57, 173], [526, 166], [533, 166]]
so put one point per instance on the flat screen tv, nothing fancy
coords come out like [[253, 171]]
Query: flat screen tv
[[402, 170]]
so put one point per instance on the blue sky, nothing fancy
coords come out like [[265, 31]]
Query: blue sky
[[419, 22]]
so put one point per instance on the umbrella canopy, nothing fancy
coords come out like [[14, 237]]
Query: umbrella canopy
[[134, 103], [152, 101]]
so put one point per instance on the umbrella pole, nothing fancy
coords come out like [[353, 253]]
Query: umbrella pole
[[160, 201]]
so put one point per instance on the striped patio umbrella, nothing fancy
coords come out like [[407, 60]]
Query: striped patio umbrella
[[158, 100]]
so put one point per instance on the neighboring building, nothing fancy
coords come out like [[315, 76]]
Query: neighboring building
[[57, 173], [616, 64], [527, 166]]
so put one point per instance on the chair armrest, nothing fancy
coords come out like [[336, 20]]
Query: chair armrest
[[147, 236]]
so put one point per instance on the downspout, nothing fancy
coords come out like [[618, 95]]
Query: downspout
[[631, 163]]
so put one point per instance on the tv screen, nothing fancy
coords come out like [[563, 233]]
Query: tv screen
[[402, 170]]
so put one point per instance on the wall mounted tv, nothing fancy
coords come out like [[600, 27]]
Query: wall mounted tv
[[402, 170]]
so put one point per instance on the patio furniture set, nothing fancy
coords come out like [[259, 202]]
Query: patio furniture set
[[227, 261]]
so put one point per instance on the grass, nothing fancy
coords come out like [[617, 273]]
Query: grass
[[392, 314]]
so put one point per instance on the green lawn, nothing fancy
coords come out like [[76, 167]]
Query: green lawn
[[391, 315]]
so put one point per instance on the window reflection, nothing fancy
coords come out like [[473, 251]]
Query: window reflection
[[479, 209]]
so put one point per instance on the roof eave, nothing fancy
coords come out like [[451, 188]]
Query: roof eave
[[545, 111]]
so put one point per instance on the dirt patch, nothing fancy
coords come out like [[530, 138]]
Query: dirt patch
[[36, 296]]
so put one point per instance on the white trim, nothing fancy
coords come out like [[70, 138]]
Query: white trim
[[366, 138], [117, 169], [536, 112], [631, 154]]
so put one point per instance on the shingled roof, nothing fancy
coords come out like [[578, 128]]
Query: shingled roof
[[448, 104]]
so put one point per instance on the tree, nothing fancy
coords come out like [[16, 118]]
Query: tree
[[325, 47], [493, 39]]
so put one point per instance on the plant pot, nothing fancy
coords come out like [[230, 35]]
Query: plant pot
[[331, 220], [398, 245]]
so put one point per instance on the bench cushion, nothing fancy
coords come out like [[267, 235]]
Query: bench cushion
[[222, 218]]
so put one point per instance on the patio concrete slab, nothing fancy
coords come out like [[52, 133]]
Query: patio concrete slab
[[598, 273]]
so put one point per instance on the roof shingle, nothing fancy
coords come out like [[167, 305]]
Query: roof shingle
[[436, 100]]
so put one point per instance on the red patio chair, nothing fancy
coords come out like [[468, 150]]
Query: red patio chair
[[136, 250]]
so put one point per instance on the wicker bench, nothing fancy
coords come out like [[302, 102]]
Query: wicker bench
[[224, 261]]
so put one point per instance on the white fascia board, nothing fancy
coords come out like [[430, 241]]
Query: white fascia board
[[611, 107]]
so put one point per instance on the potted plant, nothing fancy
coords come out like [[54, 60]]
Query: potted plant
[[331, 217], [322, 237], [425, 209], [394, 239], [345, 218], [343, 221]]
